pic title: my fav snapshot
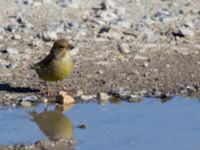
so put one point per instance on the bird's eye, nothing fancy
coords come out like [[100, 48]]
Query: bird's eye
[[61, 46]]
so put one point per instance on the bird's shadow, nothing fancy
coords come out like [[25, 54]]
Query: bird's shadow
[[6, 87]]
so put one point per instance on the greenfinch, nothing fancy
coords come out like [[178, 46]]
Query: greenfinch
[[57, 65]]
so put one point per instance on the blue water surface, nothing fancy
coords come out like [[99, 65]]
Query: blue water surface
[[149, 124]]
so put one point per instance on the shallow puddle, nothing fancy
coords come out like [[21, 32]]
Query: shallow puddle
[[150, 124]]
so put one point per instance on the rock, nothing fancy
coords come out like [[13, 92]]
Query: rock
[[27, 101], [139, 57], [57, 27], [82, 126], [26, 24], [122, 24], [108, 16], [16, 37], [49, 36], [19, 17], [73, 24], [151, 37], [2, 32], [75, 51], [31, 98], [12, 66], [134, 98], [187, 32], [107, 4], [124, 48], [11, 27], [79, 93], [25, 104], [116, 90], [63, 98], [88, 97], [145, 65], [102, 97], [190, 88], [11, 51]]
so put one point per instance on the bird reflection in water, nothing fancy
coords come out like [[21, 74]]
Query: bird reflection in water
[[53, 123]]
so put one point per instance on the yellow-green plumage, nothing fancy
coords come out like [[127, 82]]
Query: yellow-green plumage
[[57, 65]]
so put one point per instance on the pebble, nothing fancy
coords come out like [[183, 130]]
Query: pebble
[[64, 98], [79, 93], [74, 51], [140, 57], [16, 37], [12, 66], [190, 88], [117, 91], [187, 32], [145, 65], [57, 27], [101, 97], [134, 98], [107, 4], [88, 97], [108, 16], [31, 98], [82, 126], [49, 36], [11, 27], [2, 32], [124, 48], [25, 103], [11, 51], [73, 24]]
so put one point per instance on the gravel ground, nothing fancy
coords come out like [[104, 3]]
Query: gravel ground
[[148, 48]]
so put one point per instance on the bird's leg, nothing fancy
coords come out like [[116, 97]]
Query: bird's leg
[[48, 91], [65, 88]]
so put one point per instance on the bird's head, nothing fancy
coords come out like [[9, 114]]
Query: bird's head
[[62, 45]]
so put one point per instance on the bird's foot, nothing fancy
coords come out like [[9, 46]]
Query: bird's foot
[[47, 92]]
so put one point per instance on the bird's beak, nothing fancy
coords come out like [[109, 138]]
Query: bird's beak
[[71, 47]]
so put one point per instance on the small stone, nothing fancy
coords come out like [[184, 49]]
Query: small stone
[[116, 91], [88, 97], [187, 32], [145, 65], [125, 95], [102, 97], [16, 37], [12, 66], [75, 51], [190, 88], [57, 27], [167, 65], [45, 100], [31, 98], [2, 32], [72, 24], [49, 36], [108, 16], [139, 57], [19, 17], [107, 4], [79, 93], [124, 48], [25, 104], [64, 98], [26, 24], [11, 27], [82, 126], [134, 98], [124, 24], [11, 51]]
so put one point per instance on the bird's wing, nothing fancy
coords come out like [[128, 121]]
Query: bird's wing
[[43, 63]]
